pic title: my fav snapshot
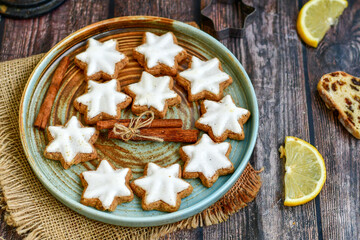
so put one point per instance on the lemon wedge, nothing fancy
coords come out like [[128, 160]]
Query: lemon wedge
[[305, 171], [316, 17]]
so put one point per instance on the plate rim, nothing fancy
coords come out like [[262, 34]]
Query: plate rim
[[148, 220]]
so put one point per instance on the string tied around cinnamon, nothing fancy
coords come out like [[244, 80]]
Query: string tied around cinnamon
[[133, 130]]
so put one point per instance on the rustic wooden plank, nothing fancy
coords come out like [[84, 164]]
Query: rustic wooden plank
[[40, 34], [183, 10], [271, 54], [269, 44], [187, 234], [339, 199]]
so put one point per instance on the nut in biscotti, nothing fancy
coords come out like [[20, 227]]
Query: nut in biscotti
[[341, 92]]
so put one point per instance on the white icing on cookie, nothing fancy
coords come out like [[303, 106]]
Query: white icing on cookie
[[162, 184], [152, 91], [204, 76], [159, 49], [102, 98], [207, 156], [101, 56], [105, 183], [71, 139], [222, 116]]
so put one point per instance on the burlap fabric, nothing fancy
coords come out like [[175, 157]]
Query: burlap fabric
[[38, 215]]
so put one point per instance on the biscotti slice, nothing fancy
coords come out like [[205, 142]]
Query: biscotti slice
[[341, 92]]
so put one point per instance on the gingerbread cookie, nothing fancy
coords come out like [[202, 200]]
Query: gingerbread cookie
[[102, 101], [207, 160], [222, 119], [101, 60], [106, 187], [71, 144], [204, 79], [159, 54], [152, 93], [161, 188]]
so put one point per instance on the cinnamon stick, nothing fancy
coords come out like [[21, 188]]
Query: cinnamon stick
[[156, 123], [167, 134], [45, 109]]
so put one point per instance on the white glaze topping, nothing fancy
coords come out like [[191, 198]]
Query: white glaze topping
[[152, 91], [162, 184], [102, 98], [159, 49], [105, 183], [71, 139], [207, 156], [204, 75], [101, 56], [222, 116]]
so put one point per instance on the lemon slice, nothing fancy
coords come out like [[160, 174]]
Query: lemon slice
[[305, 171], [316, 17]]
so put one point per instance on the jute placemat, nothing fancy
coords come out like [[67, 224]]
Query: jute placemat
[[38, 215]]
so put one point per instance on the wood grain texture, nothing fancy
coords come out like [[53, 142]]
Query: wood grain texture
[[23, 38], [339, 200], [182, 10], [271, 54], [284, 73]]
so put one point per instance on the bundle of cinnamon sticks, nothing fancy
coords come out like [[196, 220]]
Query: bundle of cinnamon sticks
[[170, 130]]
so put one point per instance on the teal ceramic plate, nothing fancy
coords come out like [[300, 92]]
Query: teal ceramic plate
[[65, 185]]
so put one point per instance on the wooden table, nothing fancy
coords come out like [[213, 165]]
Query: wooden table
[[284, 72]]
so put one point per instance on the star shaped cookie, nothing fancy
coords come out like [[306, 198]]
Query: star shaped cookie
[[106, 187], [159, 54], [207, 160], [161, 188], [102, 101], [204, 79], [71, 144], [222, 119], [152, 93], [101, 60]]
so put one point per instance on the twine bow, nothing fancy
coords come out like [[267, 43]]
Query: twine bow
[[133, 130]]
